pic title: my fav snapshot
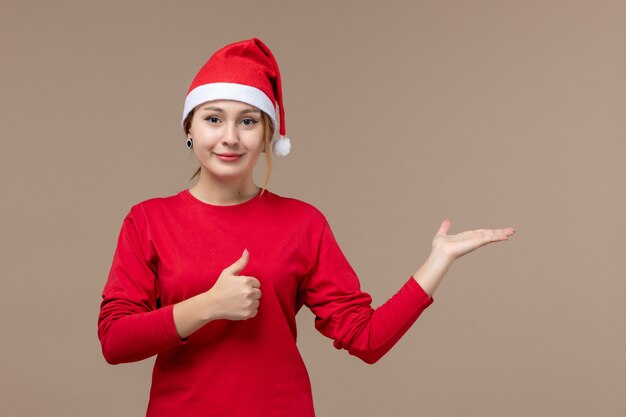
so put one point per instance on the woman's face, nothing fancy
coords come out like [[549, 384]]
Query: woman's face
[[227, 138]]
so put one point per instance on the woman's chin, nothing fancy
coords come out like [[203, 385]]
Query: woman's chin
[[227, 174]]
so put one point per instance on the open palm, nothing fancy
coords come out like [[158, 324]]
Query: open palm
[[451, 247]]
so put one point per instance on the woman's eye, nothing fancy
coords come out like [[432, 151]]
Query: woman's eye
[[213, 119], [248, 122]]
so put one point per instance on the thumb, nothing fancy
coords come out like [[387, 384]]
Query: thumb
[[444, 228], [240, 263]]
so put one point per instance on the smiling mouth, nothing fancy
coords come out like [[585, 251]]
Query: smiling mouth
[[228, 157]]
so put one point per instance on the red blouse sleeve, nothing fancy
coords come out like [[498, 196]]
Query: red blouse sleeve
[[343, 311], [131, 326]]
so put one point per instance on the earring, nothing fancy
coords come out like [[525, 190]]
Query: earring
[[189, 143]]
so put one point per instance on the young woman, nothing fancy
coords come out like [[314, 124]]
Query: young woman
[[211, 279]]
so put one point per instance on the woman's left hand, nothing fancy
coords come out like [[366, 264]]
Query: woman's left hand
[[452, 247]]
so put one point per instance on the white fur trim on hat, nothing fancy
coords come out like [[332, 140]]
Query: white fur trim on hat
[[229, 91]]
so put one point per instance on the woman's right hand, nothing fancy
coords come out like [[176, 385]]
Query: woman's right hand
[[235, 297]]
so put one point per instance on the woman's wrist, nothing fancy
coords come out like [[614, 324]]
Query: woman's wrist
[[438, 259], [432, 271], [193, 313], [437, 256], [208, 307]]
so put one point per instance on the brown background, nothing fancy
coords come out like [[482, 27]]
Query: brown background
[[490, 113]]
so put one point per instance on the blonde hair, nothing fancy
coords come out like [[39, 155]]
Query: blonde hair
[[268, 133]]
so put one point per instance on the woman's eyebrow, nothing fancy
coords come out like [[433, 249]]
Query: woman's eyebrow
[[241, 112]]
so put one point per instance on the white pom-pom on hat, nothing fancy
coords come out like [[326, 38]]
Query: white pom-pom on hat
[[281, 146]]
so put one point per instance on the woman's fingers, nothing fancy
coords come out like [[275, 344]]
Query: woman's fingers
[[445, 227], [457, 245], [495, 235], [507, 230], [499, 233]]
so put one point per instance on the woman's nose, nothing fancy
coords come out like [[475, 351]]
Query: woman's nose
[[231, 137]]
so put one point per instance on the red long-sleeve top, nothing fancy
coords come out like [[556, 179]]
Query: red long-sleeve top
[[172, 248]]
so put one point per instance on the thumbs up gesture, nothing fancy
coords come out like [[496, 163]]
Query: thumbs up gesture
[[236, 297]]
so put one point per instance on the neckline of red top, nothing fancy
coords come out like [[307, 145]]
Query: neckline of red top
[[254, 200]]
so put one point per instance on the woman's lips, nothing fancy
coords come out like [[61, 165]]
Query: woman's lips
[[228, 157]]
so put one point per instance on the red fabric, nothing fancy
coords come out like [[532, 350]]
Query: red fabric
[[248, 62], [175, 247]]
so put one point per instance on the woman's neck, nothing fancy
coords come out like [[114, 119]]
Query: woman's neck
[[224, 193]]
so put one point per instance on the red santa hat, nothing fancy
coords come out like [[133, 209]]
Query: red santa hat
[[245, 71]]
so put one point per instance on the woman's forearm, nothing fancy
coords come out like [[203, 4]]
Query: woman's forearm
[[192, 313], [430, 274]]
